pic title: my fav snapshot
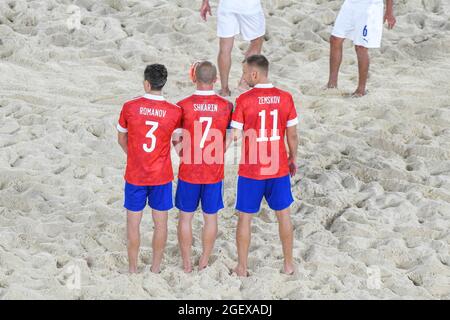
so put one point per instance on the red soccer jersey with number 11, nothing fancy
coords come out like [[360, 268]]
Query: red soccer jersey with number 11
[[263, 113], [206, 117], [150, 122]]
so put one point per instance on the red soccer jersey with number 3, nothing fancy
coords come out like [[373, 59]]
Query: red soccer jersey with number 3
[[263, 113], [150, 122], [206, 117]]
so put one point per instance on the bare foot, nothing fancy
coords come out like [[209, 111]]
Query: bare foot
[[155, 269], [132, 270], [331, 85], [359, 93], [187, 268], [241, 272], [288, 269], [225, 92], [243, 86], [203, 263]]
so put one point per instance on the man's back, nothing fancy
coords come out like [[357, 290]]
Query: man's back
[[206, 117], [264, 113], [150, 122]]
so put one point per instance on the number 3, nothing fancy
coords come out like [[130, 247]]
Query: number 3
[[154, 126]]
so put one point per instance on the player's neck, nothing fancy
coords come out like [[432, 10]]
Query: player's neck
[[204, 87], [264, 81], [154, 92]]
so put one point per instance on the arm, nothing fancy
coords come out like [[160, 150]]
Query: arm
[[235, 134], [232, 135], [122, 139], [389, 15], [205, 9], [292, 140], [177, 139]]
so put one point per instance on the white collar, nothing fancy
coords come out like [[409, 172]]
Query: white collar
[[263, 85], [204, 92], [153, 97]]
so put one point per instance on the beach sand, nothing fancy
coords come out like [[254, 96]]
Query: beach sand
[[372, 209]]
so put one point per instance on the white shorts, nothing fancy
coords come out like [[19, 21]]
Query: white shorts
[[250, 26], [361, 22]]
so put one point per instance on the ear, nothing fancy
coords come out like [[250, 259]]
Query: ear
[[147, 86]]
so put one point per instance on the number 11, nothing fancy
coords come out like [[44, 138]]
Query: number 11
[[262, 130]]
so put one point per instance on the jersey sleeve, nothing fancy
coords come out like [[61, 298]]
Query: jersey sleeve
[[237, 119], [292, 117], [179, 125], [122, 125]]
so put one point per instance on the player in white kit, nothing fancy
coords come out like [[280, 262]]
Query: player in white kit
[[245, 17], [362, 22]]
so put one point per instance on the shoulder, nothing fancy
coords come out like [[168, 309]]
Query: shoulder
[[183, 101], [132, 101], [245, 95], [227, 103], [172, 106]]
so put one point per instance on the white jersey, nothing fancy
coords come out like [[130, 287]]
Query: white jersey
[[241, 6]]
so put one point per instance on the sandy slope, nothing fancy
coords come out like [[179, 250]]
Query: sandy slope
[[373, 193]]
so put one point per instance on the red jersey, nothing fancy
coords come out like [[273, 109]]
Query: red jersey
[[150, 122], [264, 113], [206, 117]]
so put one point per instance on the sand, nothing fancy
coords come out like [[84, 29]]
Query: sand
[[372, 209]]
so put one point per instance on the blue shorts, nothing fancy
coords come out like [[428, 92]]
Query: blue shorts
[[250, 192], [189, 195], [159, 197]]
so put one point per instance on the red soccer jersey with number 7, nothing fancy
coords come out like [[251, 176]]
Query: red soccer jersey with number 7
[[206, 117], [149, 122], [263, 113]]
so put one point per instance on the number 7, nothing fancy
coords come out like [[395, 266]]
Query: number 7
[[208, 121]]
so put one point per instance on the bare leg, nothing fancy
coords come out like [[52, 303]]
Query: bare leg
[[243, 237], [224, 62], [336, 45], [254, 48], [185, 238], [159, 239], [134, 239], [208, 238], [287, 239], [363, 68]]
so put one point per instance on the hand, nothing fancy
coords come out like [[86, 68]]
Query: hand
[[389, 17], [205, 9], [292, 167]]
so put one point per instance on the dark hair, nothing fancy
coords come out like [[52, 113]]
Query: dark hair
[[258, 60], [206, 72], [156, 75]]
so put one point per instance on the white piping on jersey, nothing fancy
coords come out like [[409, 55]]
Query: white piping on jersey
[[121, 129], [205, 93], [236, 125], [153, 97], [263, 85], [292, 122]]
